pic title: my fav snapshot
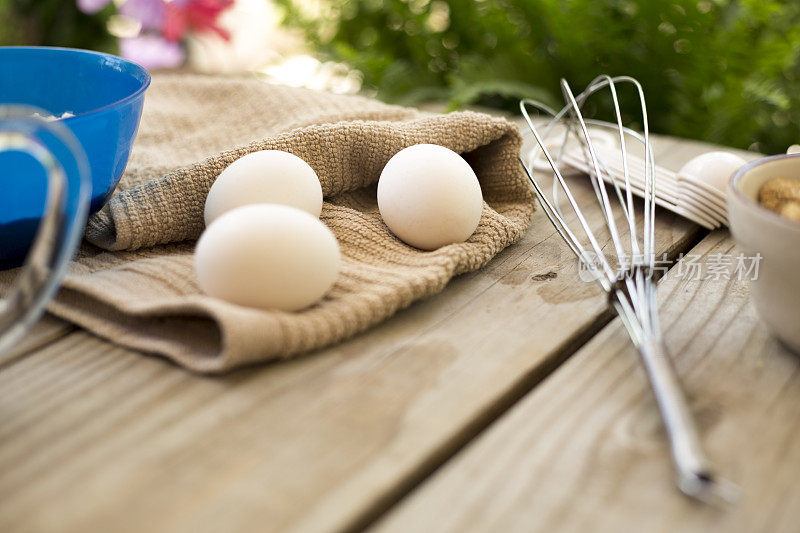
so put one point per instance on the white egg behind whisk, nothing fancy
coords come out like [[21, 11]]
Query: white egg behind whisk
[[696, 192], [703, 183]]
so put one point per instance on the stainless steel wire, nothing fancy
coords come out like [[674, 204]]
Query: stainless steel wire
[[627, 275]]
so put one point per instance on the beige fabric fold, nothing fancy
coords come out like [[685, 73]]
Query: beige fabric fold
[[135, 284]]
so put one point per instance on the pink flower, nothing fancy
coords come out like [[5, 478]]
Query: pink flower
[[194, 15], [152, 51], [149, 12], [164, 23], [92, 6]]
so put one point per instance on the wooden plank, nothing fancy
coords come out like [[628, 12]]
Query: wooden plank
[[47, 330], [96, 437], [585, 450]]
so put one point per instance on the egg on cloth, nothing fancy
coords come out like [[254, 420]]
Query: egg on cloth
[[429, 196], [268, 176], [267, 256]]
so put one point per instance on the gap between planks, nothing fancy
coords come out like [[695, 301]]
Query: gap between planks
[[485, 421], [586, 449]]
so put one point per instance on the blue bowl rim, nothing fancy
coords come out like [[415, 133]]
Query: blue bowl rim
[[147, 78]]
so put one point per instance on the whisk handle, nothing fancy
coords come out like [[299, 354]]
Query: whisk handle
[[694, 473]]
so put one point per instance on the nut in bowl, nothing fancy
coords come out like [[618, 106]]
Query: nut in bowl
[[759, 229]]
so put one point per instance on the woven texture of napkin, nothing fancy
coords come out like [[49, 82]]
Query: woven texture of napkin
[[135, 284]]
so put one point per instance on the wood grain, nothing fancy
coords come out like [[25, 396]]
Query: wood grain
[[48, 329], [94, 437], [585, 450]]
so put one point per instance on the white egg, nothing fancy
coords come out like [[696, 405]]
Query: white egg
[[714, 168], [268, 176], [429, 196], [268, 256]]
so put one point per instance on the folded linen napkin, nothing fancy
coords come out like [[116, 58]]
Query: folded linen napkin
[[135, 284]]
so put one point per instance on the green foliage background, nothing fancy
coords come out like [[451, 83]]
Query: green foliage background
[[726, 71], [54, 23]]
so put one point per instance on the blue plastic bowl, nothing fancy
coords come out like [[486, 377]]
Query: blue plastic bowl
[[105, 94]]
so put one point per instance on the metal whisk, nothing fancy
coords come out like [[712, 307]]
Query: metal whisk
[[627, 277]]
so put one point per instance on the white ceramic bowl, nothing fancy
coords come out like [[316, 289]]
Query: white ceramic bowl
[[756, 229]]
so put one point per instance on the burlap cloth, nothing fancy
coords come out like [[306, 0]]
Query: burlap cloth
[[136, 285]]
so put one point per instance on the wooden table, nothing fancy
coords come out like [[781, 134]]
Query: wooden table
[[513, 401]]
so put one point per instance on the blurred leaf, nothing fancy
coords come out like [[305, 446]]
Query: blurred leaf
[[727, 71], [466, 93], [54, 23]]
